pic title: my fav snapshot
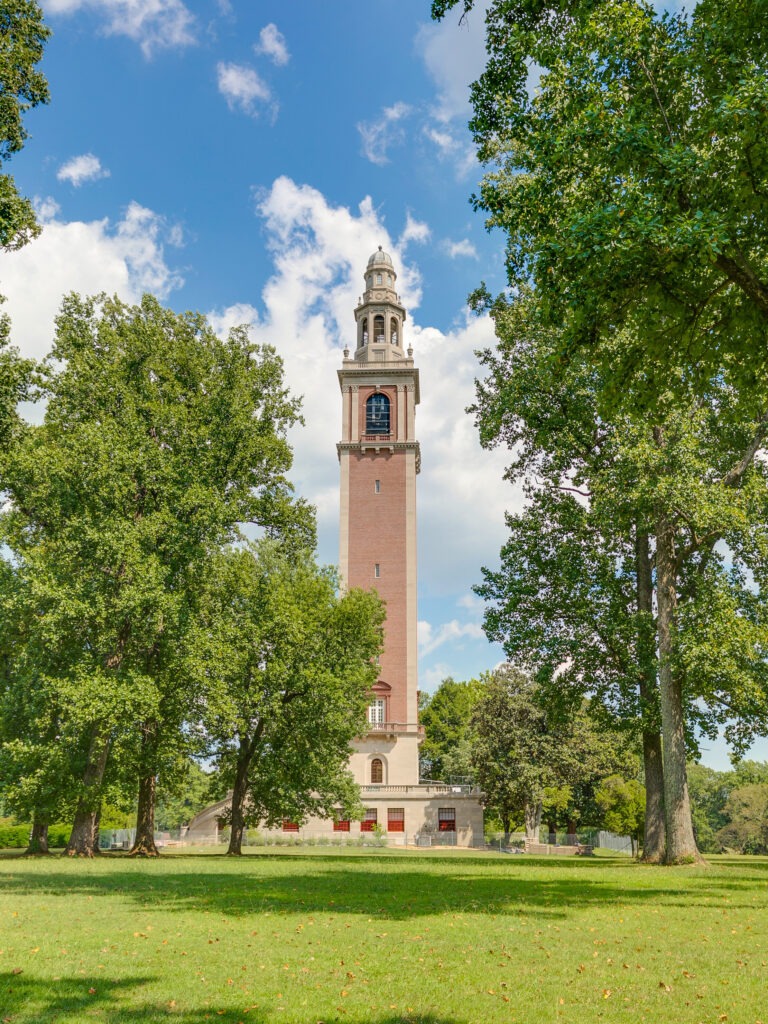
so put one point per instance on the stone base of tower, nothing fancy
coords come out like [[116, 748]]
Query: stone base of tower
[[392, 751], [421, 815]]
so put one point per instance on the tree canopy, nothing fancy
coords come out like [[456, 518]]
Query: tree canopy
[[23, 36], [631, 181], [159, 441]]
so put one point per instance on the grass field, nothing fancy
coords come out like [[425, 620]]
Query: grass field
[[384, 937]]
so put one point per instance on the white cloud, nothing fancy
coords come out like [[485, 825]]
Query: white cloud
[[153, 24], [80, 169], [126, 258], [454, 149], [462, 248], [272, 44], [242, 88], [430, 638], [455, 56], [233, 316], [430, 678], [414, 231], [379, 136], [471, 602]]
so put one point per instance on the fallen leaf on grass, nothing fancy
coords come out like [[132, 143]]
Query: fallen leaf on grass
[[665, 986], [606, 993], [17, 970]]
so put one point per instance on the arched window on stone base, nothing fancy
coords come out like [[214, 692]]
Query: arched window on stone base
[[377, 771]]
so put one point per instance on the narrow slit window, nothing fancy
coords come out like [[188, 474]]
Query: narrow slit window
[[377, 486], [377, 571]]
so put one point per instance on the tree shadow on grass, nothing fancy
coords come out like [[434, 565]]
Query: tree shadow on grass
[[394, 892], [28, 1000]]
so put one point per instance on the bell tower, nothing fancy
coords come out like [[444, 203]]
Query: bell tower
[[380, 458]]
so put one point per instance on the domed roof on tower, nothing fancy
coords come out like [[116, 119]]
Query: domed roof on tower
[[380, 258]]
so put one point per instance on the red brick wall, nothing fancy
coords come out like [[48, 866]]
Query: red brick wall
[[377, 534]]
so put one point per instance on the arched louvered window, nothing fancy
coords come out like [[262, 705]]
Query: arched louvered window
[[377, 771], [393, 331], [377, 414], [364, 331]]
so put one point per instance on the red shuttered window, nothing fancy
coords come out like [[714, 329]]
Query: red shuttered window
[[396, 819], [370, 820], [446, 819]]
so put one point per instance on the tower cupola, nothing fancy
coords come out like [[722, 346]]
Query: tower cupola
[[380, 316]]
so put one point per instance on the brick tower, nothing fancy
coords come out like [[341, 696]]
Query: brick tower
[[380, 457]]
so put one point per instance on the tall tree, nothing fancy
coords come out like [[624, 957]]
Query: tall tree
[[159, 439], [631, 188], [289, 667], [522, 747], [575, 588], [446, 715]]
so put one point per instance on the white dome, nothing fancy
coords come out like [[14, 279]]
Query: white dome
[[379, 258]]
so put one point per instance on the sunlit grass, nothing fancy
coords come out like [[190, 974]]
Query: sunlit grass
[[379, 937]]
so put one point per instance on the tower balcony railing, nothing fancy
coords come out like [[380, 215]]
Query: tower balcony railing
[[423, 789], [396, 728], [376, 437]]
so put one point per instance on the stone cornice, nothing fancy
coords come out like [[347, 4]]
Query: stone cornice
[[381, 446], [378, 373]]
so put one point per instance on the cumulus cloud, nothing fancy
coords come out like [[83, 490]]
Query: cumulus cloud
[[380, 135], [243, 88], [454, 55], [414, 231], [126, 258], [462, 248], [80, 169], [272, 44], [452, 148], [430, 638], [153, 24]]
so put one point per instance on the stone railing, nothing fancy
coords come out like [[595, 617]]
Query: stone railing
[[396, 728]]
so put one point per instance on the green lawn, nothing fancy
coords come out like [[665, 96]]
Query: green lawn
[[380, 937]]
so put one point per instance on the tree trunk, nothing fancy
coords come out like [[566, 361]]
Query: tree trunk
[[38, 841], [532, 820], [239, 794], [144, 842], [507, 826], [681, 844], [84, 839], [654, 840]]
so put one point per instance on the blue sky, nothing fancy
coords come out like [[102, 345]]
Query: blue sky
[[244, 159]]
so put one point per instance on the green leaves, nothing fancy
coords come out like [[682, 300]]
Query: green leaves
[[631, 183]]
